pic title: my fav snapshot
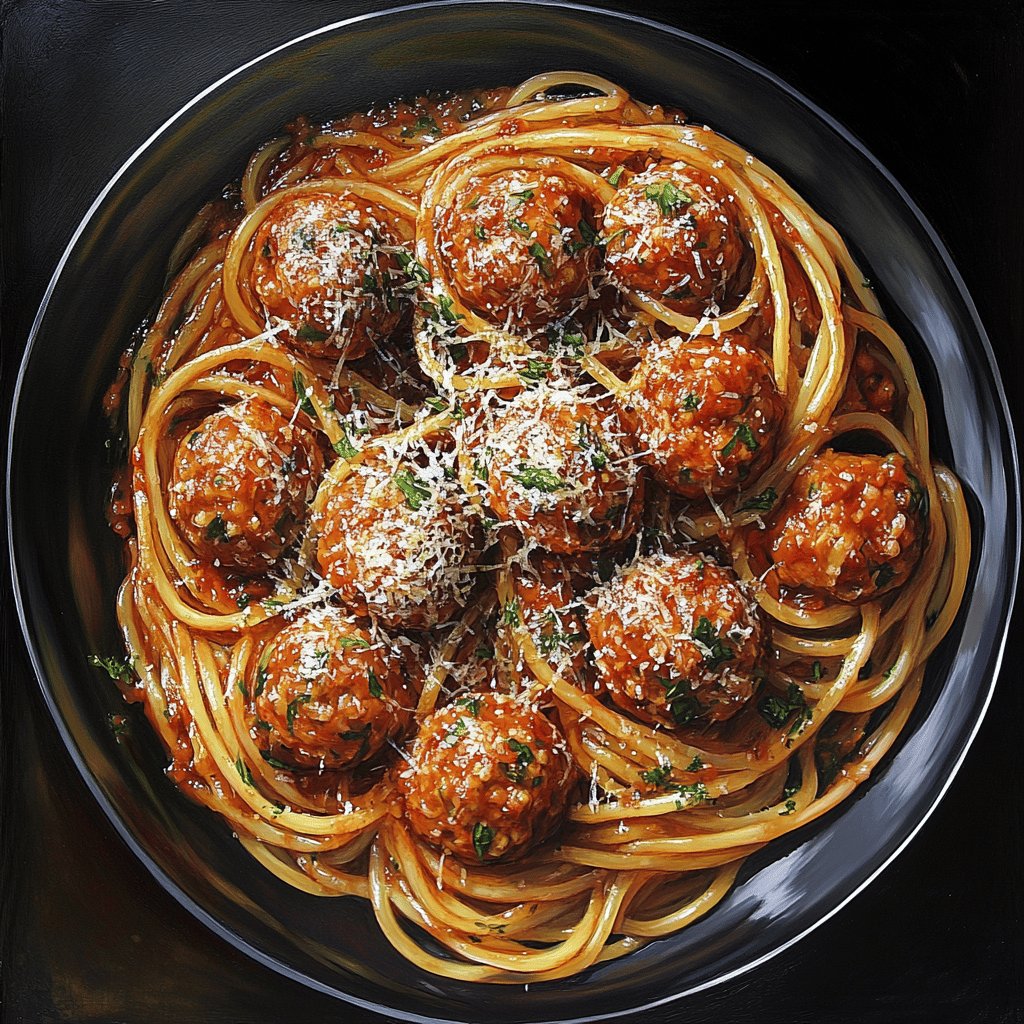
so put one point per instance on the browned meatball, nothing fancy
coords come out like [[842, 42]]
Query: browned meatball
[[560, 467], [676, 637], [671, 232], [329, 694], [241, 483], [399, 542], [851, 526], [705, 412], [327, 264], [519, 246], [490, 778]]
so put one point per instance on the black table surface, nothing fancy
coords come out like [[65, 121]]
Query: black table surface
[[935, 90]]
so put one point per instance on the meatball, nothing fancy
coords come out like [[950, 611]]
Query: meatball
[[705, 412], [241, 483], [329, 694], [559, 466], [489, 778], [519, 246], [676, 637], [851, 526], [399, 542], [671, 233], [327, 264]]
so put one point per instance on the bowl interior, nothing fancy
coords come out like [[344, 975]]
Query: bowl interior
[[68, 565]]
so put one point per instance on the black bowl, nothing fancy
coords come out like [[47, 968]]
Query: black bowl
[[67, 565]]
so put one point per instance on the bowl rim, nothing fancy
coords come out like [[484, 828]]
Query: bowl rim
[[1010, 453]]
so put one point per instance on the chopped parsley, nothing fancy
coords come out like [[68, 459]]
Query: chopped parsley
[[343, 446], [744, 434], [682, 704], [310, 332], [667, 196], [884, 575], [616, 176], [479, 231], [521, 197], [510, 614], [540, 254], [483, 836], [471, 704], [120, 670], [816, 671], [243, 771], [274, 762], [587, 233], [455, 733], [760, 502], [520, 227], [302, 393], [217, 529], [412, 267], [416, 493], [536, 369], [293, 709], [696, 764], [376, 690], [353, 643], [715, 652], [777, 711], [790, 808], [692, 402], [537, 478], [423, 125], [524, 758], [590, 442]]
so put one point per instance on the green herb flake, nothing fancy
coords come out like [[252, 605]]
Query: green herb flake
[[715, 652], [479, 231], [524, 758], [777, 711], [520, 227], [376, 690], [667, 196], [510, 614], [790, 808], [343, 446], [470, 704], [423, 125], [411, 267], [302, 393], [416, 493], [243, 771], [540, 254], [293, 709], [536, 369], [119, 669], [353, 643], [483, 836], [744, 434], [310, 332], [616, 176], [538, 478], [760, 502], [455, 733], [217, 530]]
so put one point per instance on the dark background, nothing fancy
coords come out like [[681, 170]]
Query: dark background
[[935, 90]]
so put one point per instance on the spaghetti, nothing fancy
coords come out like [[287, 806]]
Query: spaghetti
[[531, 516]]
